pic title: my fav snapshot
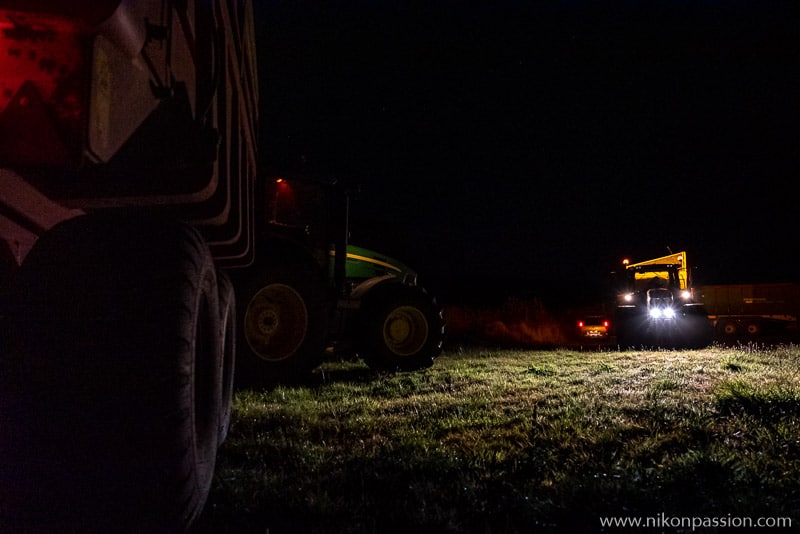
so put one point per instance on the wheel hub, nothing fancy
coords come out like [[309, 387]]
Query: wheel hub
[[276, 322], [268, 321], [405, 330]]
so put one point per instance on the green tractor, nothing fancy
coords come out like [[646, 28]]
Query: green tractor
[[311, 294]]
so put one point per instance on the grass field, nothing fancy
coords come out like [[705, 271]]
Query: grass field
[[518, 441]]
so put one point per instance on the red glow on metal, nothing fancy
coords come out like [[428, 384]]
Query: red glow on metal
[[37, 48], [43, 67]]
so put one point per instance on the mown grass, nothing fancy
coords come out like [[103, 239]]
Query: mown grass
[[517, 441]]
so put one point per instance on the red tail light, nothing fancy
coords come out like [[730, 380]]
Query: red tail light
[[606, 324], [43, 88], [580, 324]]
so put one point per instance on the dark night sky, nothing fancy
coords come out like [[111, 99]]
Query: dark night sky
[[525, 147]]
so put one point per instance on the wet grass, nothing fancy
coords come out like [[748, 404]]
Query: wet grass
[[516, 441]]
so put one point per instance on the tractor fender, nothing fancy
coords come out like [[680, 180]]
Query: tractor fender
[[365, 287]]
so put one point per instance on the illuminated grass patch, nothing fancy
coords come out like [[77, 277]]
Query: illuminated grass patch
[[510, 441]]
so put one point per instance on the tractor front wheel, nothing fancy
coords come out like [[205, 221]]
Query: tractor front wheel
[[400, 328]]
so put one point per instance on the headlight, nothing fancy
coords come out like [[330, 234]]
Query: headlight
[[628, 297], [662, 313], [686, 294]]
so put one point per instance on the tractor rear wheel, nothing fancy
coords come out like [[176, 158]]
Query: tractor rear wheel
[[283, 310]]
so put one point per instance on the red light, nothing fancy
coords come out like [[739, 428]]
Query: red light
[[283, 187], [580, 324], [606, 324], [41, 49], [43, 70]]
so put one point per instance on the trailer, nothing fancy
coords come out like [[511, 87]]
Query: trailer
[[745, 312], [145, 262], [128, 138]]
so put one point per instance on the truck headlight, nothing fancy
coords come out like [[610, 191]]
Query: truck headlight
[[662, 313]]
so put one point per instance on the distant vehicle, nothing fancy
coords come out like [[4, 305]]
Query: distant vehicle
[[741, 312], [656, 305], [594, 326]]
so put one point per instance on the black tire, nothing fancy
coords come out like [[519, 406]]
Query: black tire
[[698, 329], [728, 329], [400, 327], [283, 320], [227, 308], [753, 329], [112, 419], [628, 329]]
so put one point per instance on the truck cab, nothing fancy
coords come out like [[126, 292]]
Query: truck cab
[[659, 285], [656, 305]]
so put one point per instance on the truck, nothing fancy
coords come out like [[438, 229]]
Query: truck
[[753, 312], [657, 305], [128, 162], [326, 295]]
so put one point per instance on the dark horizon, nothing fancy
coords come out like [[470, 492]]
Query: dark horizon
[[533, 146]]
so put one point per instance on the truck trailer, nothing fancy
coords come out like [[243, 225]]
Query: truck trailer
[[146, 262], [127, 171], [657, 305], [753, 312]]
